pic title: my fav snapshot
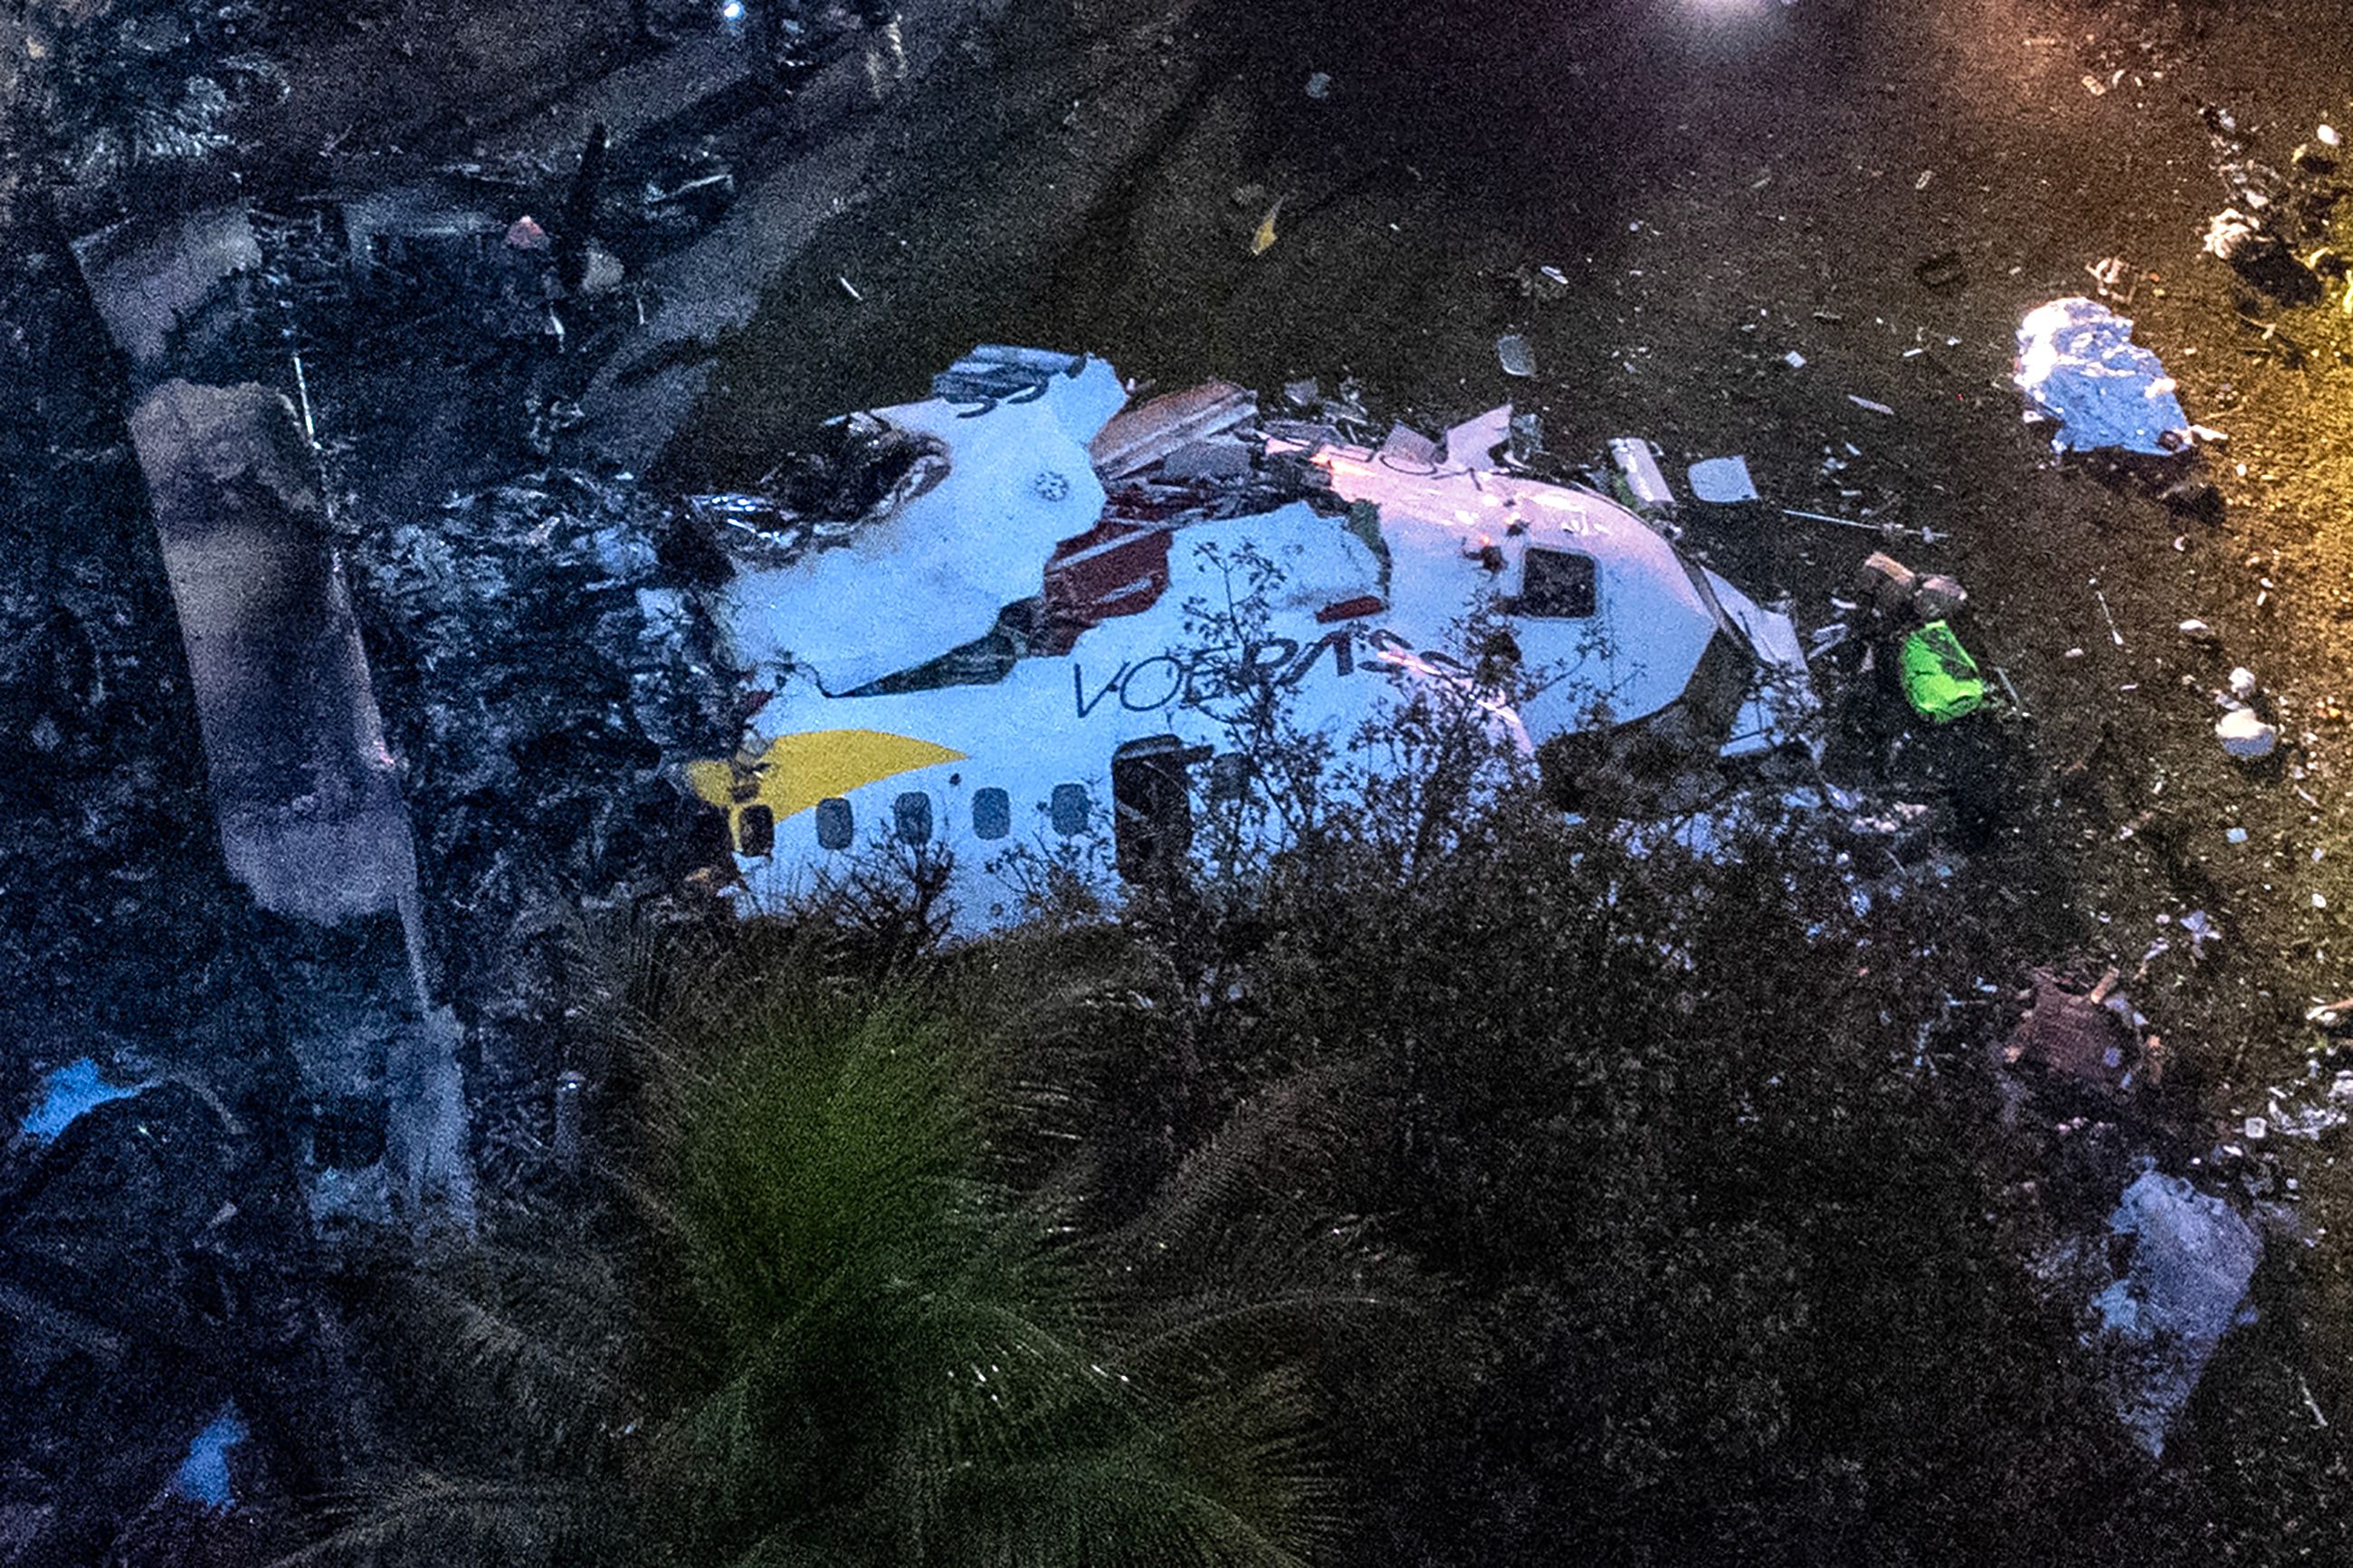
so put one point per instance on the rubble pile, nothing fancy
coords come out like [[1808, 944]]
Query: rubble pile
[[2273, 211], [539, 682], [2155, 1266], [151, 1265]]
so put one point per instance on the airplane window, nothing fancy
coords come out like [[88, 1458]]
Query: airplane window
[[1069, 809], [756, 830], [992, 813], [1558, 585], [834, 827], [913, 811]]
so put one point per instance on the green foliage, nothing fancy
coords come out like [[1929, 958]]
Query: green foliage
[[836, 1336], [1703, 1216]]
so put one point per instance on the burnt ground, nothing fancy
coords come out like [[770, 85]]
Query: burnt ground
[[1724, 184]]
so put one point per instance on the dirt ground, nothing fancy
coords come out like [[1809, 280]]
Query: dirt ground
[[1724, 183]]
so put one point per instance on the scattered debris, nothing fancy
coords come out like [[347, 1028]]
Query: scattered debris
[[2080, 1037], [1263, 237], [1515, 354], [2192, 1257], [1794, 360], [1868, 405], [2245, 736], [2233, 237], [1637, 462], [1474, 443], [2201, 929], [1722, 481], [2078, 365], [1319, 86], [1938, 597], [2116, 634], [1137, 438], [1881, 528], [1543, 284], [1940, 678]]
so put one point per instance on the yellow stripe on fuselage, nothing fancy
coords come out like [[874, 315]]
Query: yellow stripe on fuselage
[[799, 770]]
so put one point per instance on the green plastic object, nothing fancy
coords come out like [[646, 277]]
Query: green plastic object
[[1940, 678]]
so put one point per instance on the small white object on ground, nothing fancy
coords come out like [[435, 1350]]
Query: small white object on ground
[[2242, 683], [1722, 480], [2236, 835], [1865, 403], [1319, 86], [2327, 136], [1514, 354], [1794, 360], [2245, 736], [2194, 627]]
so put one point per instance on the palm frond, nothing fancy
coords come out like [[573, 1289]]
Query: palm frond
[[436, 1522], [1267, 1149]]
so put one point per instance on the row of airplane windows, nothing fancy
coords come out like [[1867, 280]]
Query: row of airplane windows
[[992, 815], [1069, 807]]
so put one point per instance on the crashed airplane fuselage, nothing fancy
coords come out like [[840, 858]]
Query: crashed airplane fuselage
[[1035, 649]]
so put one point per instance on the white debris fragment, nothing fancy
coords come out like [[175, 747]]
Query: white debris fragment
[[2078, 363], [1794, 360], [2242, 683], [2200, 927], [2245, 736], [2192, 1257], [1722, 481]]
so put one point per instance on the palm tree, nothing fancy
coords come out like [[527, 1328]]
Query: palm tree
[[838, 1338]]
